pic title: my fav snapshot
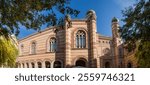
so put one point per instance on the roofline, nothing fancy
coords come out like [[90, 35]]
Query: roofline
[[48, 28], [78, 20], [102, 36]]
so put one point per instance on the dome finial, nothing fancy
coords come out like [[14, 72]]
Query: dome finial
[[115, 19], [91, 14]]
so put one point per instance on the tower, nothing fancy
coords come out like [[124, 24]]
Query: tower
[[68, 25], [91, 24], [116, 40]]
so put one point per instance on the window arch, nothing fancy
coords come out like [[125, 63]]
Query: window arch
[[106, 51], [57, 64], [33, 65], [27, 65], [22, 49], [81, 62], [47, 64], [39, 64], [33, 48], [80, 39], [129, 65], [52, 45]]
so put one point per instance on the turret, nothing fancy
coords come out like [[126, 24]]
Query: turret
[[91, 22], [115, 28], [116, 40], [68, 25]]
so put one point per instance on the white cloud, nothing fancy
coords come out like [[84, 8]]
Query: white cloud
[[125, 3]]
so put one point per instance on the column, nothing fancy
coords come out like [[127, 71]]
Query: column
[[20, 65], [79, 41], [82, 43], [30, 66], [35, 63], [43, 64]]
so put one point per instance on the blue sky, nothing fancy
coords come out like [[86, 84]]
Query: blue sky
[[105, 11]]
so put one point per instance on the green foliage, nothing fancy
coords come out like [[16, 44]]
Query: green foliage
[[143, 54], [136, 31], [8, 52], [32, 13]]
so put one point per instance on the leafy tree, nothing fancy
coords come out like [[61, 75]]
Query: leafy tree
[[8, 51], [32, 13], [136, 31]]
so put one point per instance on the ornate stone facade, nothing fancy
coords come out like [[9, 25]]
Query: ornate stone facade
[[77, 44]]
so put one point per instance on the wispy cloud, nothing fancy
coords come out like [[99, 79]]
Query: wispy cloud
[[125, 3]]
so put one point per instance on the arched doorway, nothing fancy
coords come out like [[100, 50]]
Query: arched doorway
[[129, 65], [27, 65], [32, 64], [81, 63], [39, 64], [57, 64], [107, 65], [47, 64]]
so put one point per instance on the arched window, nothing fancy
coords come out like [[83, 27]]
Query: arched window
[[57, 64], [33, 66], [129, 65], [27, 65], [47, 64], [106, 51], [52, 45], [80, 39], [22, 49], [81, 63], [33, 48], [39, 64]]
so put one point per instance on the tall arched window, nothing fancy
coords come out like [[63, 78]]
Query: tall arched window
[[33, 48], [80, 39], [52, 45], [22, 49]]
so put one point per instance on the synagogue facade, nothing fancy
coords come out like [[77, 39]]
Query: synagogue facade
[[75, 44]]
